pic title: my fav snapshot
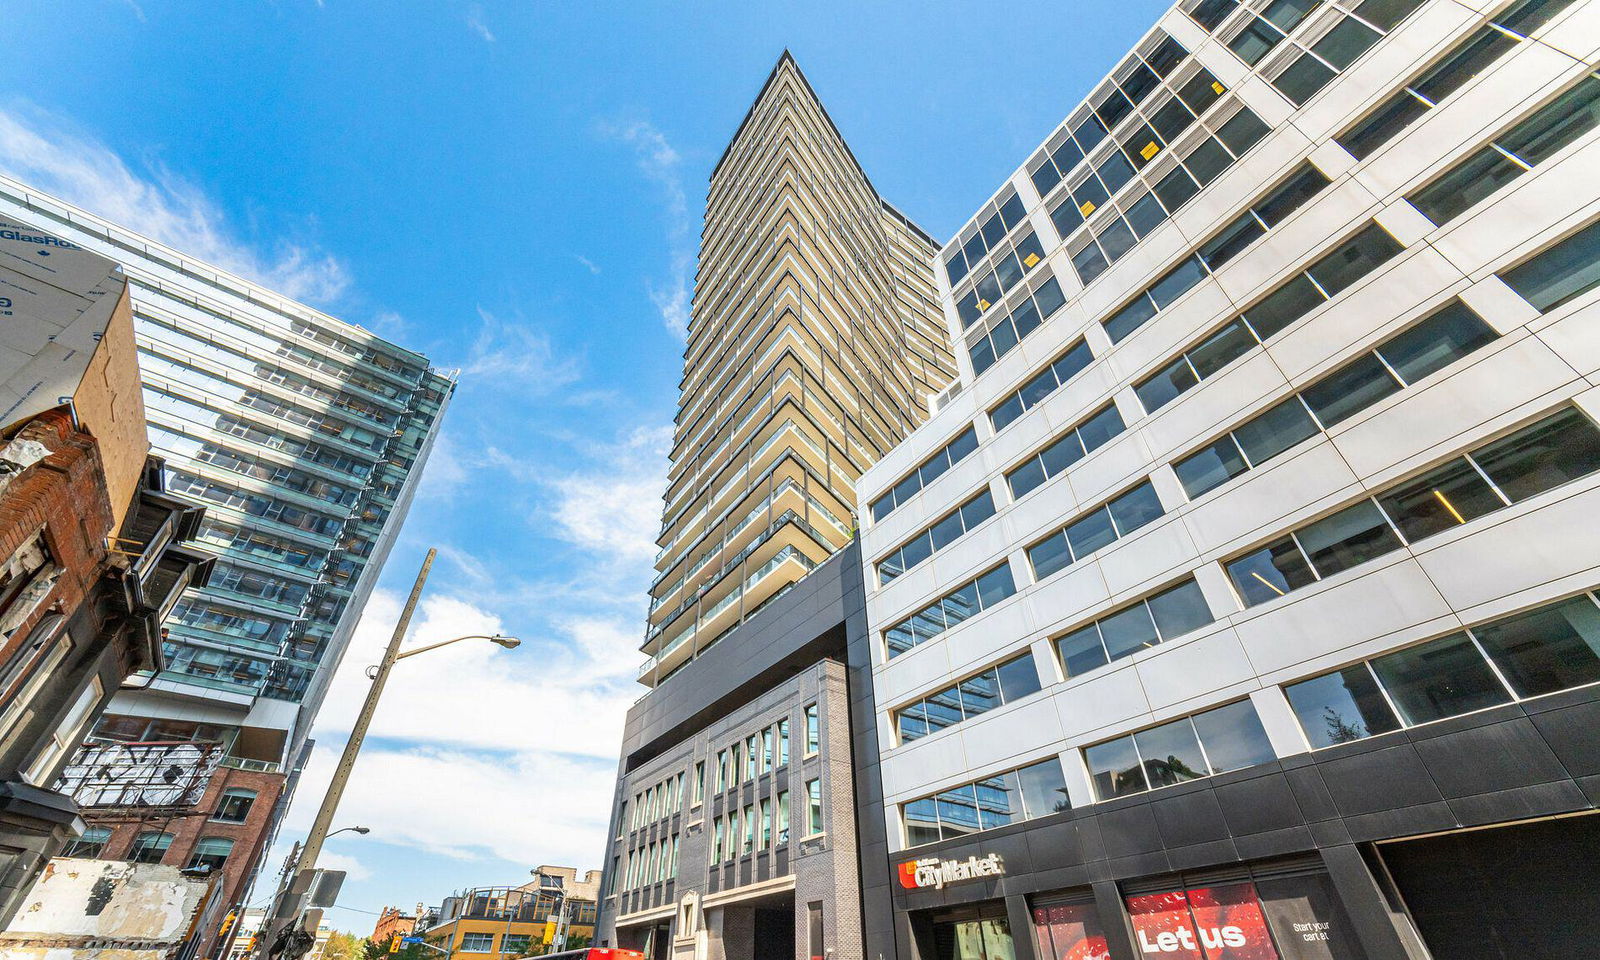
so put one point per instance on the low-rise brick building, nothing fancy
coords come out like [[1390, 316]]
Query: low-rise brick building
[[90, 561]]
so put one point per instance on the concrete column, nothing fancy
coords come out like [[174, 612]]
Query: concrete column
[[1384, 931]]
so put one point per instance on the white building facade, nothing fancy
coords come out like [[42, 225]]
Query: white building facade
[[1241, 595]]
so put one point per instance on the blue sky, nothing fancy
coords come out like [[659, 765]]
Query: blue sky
[[514, 189]]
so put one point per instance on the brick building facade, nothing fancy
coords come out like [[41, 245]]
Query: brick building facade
[[89, 555]]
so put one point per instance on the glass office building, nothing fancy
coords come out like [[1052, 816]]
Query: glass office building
[[1258, 619], [304, 437]]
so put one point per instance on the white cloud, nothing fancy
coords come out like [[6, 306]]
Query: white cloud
[[354, 869], [44, 151], [517, 355], [474, 694], [615, 510], [476, 25], [528, 806], [662, 164], [594, 268]]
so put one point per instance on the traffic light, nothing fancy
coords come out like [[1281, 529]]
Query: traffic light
[[394, 944]]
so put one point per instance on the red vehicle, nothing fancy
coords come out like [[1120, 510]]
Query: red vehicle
[[595, 953]]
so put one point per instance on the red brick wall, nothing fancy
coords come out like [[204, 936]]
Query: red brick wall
[[64, 494], [188, 825]]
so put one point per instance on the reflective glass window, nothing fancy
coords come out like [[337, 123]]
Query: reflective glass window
[[1438, 679]]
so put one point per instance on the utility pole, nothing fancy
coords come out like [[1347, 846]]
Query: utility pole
[[286, 908]]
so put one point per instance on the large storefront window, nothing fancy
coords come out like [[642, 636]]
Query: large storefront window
[[1068, 931], [1271, 914], [973, 933]]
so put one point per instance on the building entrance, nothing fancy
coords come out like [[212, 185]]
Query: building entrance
[[1524, 892], [981, 932]]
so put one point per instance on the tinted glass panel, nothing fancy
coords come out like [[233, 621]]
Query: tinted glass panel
[[1026, 477], [1044, 789], [1176, 282], [1207, 160], [994, 230], [1463, 185], [1255, 41], [1572, 115], [1161, 388], [1089, 263], [1128, 632], [1139, 82], [1066, 217], [1168, 54], [1201, 91], [1018, 677], [1061, 454], [1091, 533], [1345, 42], [1008, 411], [1180, 610], [1115, 172], [1347, 391], [1438, 679], [1395, 115], [1303, 78], [1172, 119], [1530, 15], [1449, 334], [1341, 707], [1116, 239], [1356, 258], [946, 531], [1171, 753], [1210, 467], [1081, 651], [1451, 74], [1100, 428], [1044, 177], [1231, 241], [978, 510], [1088, 133], [1049, 556], [1545, 455], [1270, 572], [1353, 535], [1072, 362], [1384, 14], [1145, 215], [960, 604], [995, 586], [1129, 318], [1176, 188], [1113, 108], [1274, 431], [1066, 157], [1233, 737], [1115, 769], [1548, 649], [1221, 348], [1243, 131], [1566, 271], [1048, 297], [1440, 499], [1209, 13], [1135, 508], [1292, 195], [1286, 14], [1284, 306]]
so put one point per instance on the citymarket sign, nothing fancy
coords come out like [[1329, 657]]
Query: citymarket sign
[[936, 873]]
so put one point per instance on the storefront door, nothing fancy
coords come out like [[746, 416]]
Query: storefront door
[[980, 933]]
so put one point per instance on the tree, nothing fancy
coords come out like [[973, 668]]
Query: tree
[[344, 946]]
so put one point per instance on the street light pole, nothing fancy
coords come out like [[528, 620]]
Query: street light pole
[[286, 908]]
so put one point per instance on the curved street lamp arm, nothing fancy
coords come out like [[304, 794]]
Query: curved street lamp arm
[[443, 643]]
